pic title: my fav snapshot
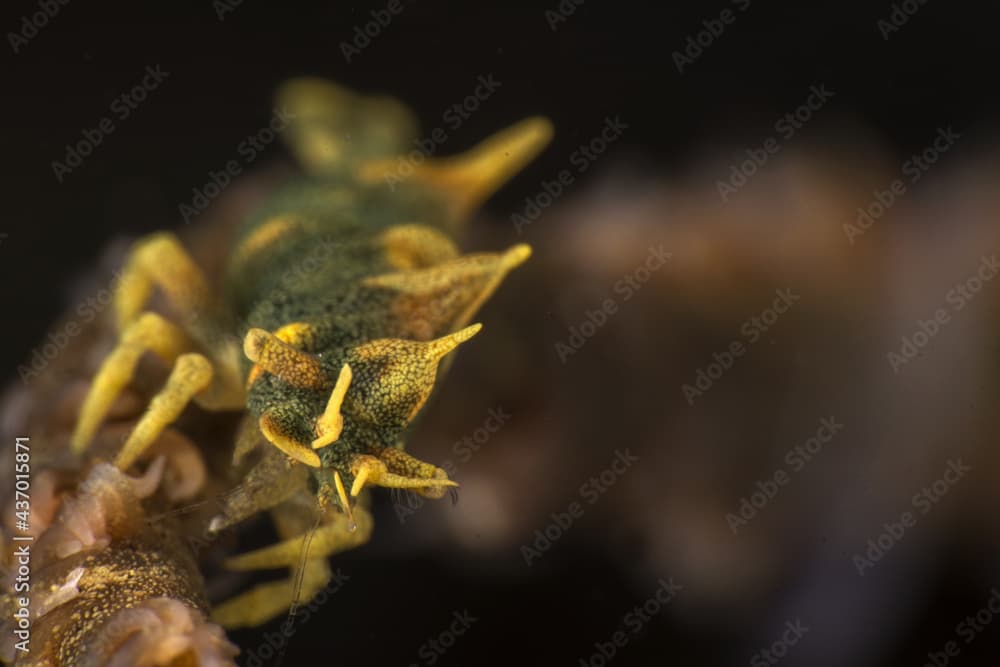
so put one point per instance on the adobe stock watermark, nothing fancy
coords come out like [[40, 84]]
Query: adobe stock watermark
[[711, 29], [899, 16], [247, 150], [293, 275], [782, 646], [922, 502], [796, 459], [634, 622], [453, 118], [365, 33], [912, 170], [120, 109], [406, 503], [56, 341], [32, 24], [956, 299], [752, 329], [561, 13], [625, 288], [275, 643], [431, 651], [786, 127], [967, 630], [581, 159], [590, 491], [224, 7]]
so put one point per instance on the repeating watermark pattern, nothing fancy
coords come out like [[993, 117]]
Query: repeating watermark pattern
[[956, 299], [752, 329], [899, 15], [779, 648], [431, 651], [317, 257], [94, 305], [561, 13], [453, 118], [967, 630], [224, 7], [581, 159], [591, 491], [786, 127], [796, 459], [120, 109], [624, 289], [247, 150], [364, 34], [406, 503], [912, 171], [922, 502], [32, 24], [632, 622], [275, 643], [711, 30], [85, 312], [19, 568]]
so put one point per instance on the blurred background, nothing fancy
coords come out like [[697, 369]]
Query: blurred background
[[750, 366]]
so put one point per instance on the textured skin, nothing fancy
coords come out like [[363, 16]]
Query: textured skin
[[342, 314], [353, 269], [345, 293], [114, 579], [108, 584]]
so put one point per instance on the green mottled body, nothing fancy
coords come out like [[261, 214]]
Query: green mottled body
[[347, 294], [308, 273], [313, 274]]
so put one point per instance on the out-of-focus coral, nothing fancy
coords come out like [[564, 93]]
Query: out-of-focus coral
[[115, 578], [109, 588], [561, 383], [759, 351]]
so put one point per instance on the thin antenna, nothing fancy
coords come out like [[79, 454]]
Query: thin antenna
[[293, 608], [180, 510], [187, 508]]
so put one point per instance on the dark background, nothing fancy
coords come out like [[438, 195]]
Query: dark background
[[606, 59]]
